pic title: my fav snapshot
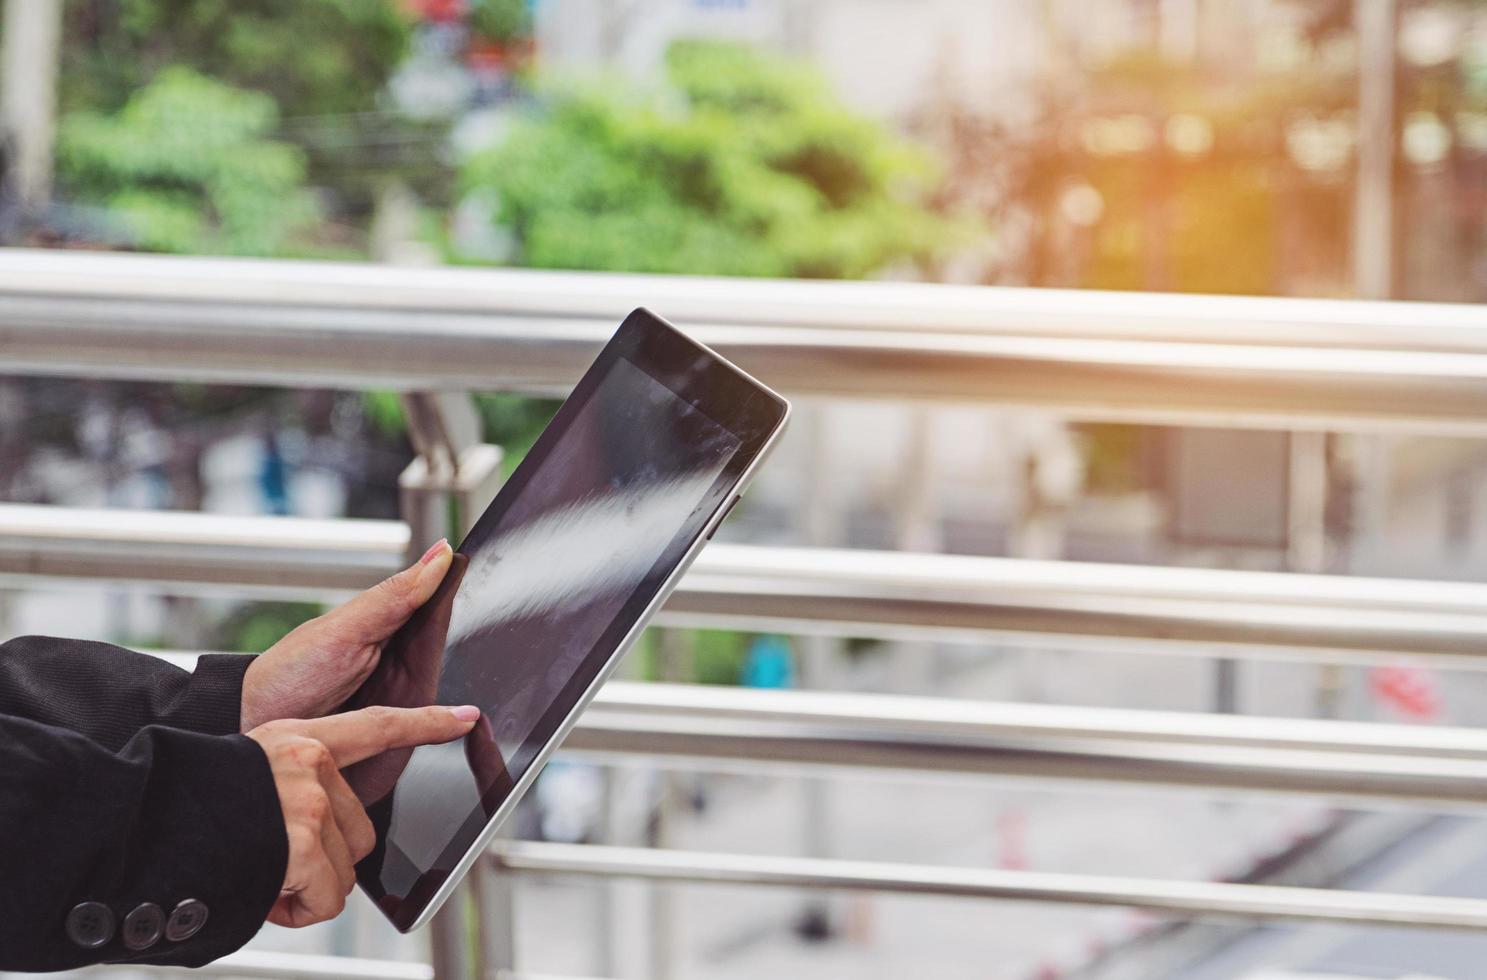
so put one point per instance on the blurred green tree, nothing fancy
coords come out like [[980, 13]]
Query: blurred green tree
[[187, 165], [501, 20], [324, 63], [315, 57], [254, 627], [746, 166]]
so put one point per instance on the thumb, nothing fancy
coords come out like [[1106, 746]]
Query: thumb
[[378, 612]]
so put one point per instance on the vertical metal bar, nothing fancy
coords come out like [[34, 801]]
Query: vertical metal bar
[[1373, 237], [1307, 517], [675, 666], [821, 525], [450, 940], [918, 529], [495, 922], [28, 93], [425, 513], [1373, 207], [476, 484], [1226, 686], [1307, 537], [1374, 456], [628, 953], [605, 899]]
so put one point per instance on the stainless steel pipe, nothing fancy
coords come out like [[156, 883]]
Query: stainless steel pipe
[[852, 592], [1165, 359], [1186, 899]]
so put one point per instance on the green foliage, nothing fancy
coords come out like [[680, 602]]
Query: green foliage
[[256, 627], [384, 410], [746, 166], [715, 656], [720, 655], [501, 20], [513, 422], [647, 655], [509, 419], [187, 166], [324, 63], [1112, 457], [315, 57]]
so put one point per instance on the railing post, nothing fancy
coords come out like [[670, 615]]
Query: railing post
[[495, 920], [450, 944], [676, 659], [605, 899], [28, 95], [442, 493], [447, 486], [821, 525], [1306, 547]]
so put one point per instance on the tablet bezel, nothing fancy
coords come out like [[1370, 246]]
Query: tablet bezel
[[698, 376]]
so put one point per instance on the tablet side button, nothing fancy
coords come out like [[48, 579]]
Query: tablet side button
[[726, 511]]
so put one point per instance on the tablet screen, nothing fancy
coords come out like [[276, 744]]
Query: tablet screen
[[542, 591]]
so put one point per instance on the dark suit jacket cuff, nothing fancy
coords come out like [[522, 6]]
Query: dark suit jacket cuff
[[248, 851], [213, 703], [218, 837]]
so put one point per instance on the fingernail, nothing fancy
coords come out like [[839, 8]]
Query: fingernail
[[439, 546], [466, 712]]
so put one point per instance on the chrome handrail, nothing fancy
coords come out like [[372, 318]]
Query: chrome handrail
[[270, 556], [856, 592], [1184, 898], [269, 965], [969, 722], [1346, 777], [1190, 359], [1349, 762]]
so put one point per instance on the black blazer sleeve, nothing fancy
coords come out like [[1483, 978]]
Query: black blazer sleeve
[[170, 816], [108, 694]]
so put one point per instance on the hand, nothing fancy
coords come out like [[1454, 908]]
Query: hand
[[327, 828], [407, 676], [320, 664]]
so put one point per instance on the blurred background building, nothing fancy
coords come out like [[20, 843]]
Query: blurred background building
[[1080, 173]]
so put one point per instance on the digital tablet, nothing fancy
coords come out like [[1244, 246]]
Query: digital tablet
[[551, 586]]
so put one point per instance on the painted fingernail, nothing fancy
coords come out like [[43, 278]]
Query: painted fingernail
[[439, 546], [466, 712]]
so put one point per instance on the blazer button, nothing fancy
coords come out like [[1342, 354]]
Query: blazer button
[[186, 920], [90, 924], [143, 927]]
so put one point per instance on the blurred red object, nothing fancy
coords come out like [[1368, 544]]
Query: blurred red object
[[438, 11], [1411, 691], [492, 57], [1012, 832]]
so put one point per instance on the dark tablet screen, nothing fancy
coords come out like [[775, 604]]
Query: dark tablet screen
[[551, 580]]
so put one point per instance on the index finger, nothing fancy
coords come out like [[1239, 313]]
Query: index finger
[[357, 735]]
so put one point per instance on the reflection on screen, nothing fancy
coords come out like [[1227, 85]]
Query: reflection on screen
[[623, 489]]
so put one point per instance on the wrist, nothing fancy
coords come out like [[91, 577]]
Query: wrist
[[212, 703], [249, 714]]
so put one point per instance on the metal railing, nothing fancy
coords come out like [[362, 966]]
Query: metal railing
[[1299, 364], [1188, 359], [1262, 903], [1357, 763], [844, 592], [1346, 762], [266, 965]]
